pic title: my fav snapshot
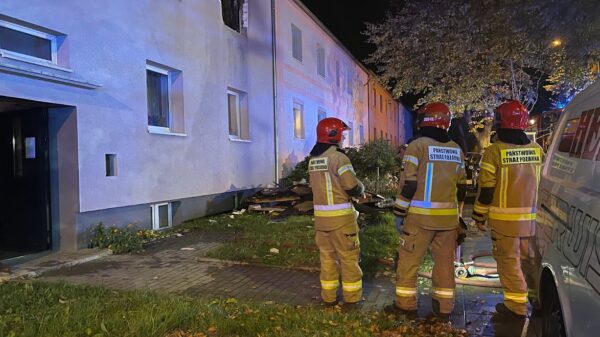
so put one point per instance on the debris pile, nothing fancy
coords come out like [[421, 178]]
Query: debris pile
[[298, 200]]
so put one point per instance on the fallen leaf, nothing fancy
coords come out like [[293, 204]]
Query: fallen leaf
[[274, 250]]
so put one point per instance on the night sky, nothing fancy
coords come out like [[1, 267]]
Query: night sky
[[345, 19]]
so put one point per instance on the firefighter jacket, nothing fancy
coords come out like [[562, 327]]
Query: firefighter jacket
[[333, 182], [431, 173], [508, 187]]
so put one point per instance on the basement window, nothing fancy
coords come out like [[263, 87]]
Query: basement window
[[162, 216], [111, 164]]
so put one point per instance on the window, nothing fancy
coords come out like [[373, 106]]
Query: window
[[165, 99], [298, 111], [320, 61], [374, 133], [381, 134], [111, 164], [321, 114], [296, 43], [349, 79], [380, 103], [237, 107], [27, 44], [374, 98], [337, 73], [235, 14], [361, 133], [162, 216], [351, 134]]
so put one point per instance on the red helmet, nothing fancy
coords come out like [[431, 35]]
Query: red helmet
[[434, 114], [329, 130], [511, 115]]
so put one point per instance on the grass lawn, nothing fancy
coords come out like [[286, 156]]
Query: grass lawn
[[40, 309], [255, 236]]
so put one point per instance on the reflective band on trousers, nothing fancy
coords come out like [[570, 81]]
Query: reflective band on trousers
[[432, 204], [433, 211], [406, 292], [330, 285], [512, 213], [334, 210], [443, 292], [352, 286], [516, 297]]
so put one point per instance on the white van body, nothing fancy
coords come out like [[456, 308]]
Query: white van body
[[568, 214]]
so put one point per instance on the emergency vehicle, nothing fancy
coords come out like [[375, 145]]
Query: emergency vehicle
[[568, 215]]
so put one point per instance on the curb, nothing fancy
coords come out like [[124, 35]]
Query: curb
[[27, 274]]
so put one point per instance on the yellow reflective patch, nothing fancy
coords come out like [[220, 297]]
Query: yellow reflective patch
[[512, 217], [352, 286], [329, 285], [338, 212], [318, 164], [521, 156], [433, 211], [488, 167]]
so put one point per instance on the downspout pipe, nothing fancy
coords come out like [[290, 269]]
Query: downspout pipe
[[275, 126]]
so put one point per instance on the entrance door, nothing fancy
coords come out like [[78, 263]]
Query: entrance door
[[24, 183]]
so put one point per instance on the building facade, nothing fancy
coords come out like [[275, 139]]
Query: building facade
[[143, 112], [154, 112], [388, 119], [316, 78]]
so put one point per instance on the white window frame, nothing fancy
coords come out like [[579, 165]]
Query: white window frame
[[321, 111], [163, 71], [301, 56], [300, 106], [238, 114], [321, 61], [156, 215], [29, 58]]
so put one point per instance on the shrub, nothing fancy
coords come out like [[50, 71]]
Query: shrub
[[366, 160], [120, 240]]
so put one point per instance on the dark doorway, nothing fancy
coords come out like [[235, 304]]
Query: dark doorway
[[24, 182]]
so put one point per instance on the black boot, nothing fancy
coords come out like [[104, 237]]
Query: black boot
[[393, 309]]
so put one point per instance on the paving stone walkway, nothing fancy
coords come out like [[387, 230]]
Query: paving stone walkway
[[179, 266]]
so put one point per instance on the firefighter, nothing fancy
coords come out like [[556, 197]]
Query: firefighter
[[508, 185], [426, 206], [333, 183]]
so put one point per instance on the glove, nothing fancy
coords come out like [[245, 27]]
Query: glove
[[399, 222], [462, 231]]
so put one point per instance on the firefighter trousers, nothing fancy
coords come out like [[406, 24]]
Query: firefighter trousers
[[518, 260], [414, 242], [339, 251]]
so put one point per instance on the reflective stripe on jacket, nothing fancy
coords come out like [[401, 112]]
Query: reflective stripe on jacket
[[331, 174], [514, 173], [437, 168]]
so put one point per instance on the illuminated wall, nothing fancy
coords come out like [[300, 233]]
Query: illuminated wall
[[104, 56], [341, 92]]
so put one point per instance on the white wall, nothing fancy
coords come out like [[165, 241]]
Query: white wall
[[108, 43], [300, 81]]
